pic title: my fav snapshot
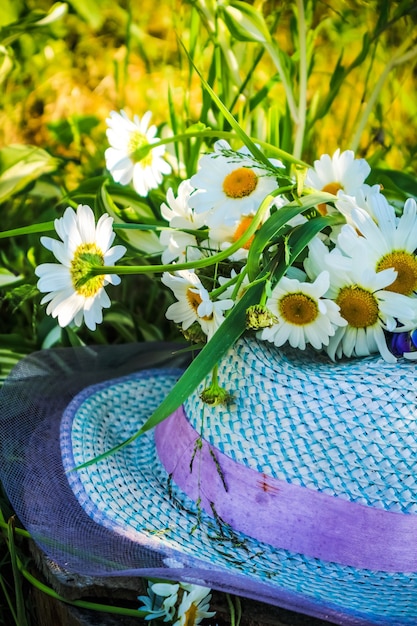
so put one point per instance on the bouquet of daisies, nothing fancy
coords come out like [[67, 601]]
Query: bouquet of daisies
[[224, 216], [323, 258]]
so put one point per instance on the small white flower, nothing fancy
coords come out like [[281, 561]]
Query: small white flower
[[368, 198], [72, 296], [339, 172], [304, 317], [194, 606], [124, 160], [180, 245], [237, 287], [229, 185], [194, 303], [160, 601]]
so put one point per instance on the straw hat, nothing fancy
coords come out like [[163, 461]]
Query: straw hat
[[302, 492]]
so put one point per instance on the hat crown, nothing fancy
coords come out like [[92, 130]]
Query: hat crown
[[346, 429]]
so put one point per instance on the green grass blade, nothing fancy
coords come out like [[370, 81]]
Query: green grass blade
[[246, 140], [19, 598], [271, 229], [230, 331]]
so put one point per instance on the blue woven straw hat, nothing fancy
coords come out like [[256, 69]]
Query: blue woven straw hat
[[302, 492]]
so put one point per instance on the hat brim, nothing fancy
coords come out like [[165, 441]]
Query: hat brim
[[123, 515]]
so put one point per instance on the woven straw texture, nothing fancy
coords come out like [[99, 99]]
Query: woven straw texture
[[131, 494], [346, 429], [125, 516]]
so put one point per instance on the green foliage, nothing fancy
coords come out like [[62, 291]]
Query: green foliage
[[20, 166], [257, 72]]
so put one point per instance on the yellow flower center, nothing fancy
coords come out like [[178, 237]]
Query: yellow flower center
[[405, 264], [190, 615], [298, 309], [329, 188], [241, 229], [240, 183], [358, 306], [194, 300], [86, 255], [136, 143]]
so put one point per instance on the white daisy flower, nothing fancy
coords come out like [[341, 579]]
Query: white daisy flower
[[341, 172], [391, 242], [180, 245], [223, 236], [229, 185], [368, 198], [124, 160], [304, 317], [72, 296], [160, 601], [194, 303], [194, 606], [364, 301], [231, 290]]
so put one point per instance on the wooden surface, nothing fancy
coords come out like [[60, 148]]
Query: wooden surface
[[122, 591]]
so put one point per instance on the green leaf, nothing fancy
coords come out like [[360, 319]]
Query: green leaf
[[247, 141], [65, 131], [141, 239], [90, 11], [20, 166], [274, 225], [6, 63], [225, 337], [395, 184], [13, 347], [245, 22], [9, 11], [33, 20], [7, 278], [301, 236], [41, 227]]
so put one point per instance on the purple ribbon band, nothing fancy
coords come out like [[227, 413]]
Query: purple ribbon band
[[281, 514]]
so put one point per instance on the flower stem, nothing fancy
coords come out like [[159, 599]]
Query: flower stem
[[200, 263], [302, 98], [274, 54], [272, 150]]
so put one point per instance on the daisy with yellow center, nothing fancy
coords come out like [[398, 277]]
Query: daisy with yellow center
[[73, 295], [125, 160], [229, 185], [389, 243], [365, 302], [194, 303], [181, 604], [223, 236], [368, 198], [340, 172], [194, 606], [304, 316]]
